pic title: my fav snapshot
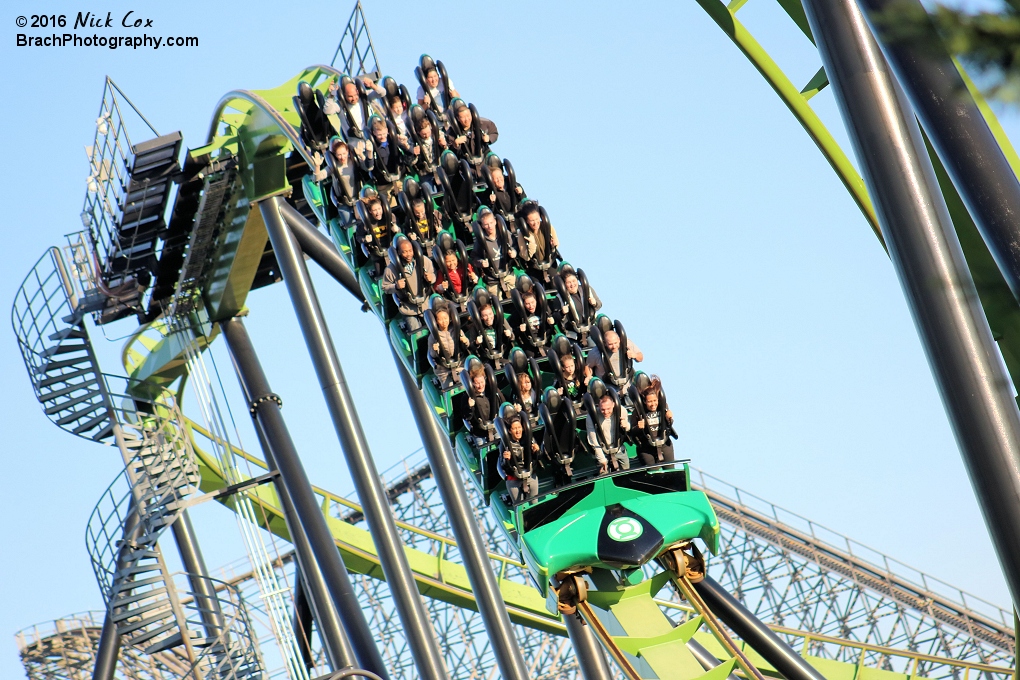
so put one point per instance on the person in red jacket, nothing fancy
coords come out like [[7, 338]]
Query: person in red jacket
[[455, 278]]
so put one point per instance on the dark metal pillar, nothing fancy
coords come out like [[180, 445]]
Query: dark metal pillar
[[306, 511], [316, 246], [108, 650], [198, 575], [961, 137], [755, 633], [465, 530], [417, 628], [303, 621], [331, 630], [932, 270], [590, 657]]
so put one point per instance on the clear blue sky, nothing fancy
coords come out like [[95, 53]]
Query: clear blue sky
[[703, 215]]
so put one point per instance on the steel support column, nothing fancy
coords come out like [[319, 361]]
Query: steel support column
[[755, 633], [929, 261], [465, 531], [590, 656], [417, 627], [303, 621], [331, 630], [108, 650], [317, 246], [960, 135], [307, 515], [198, 575]]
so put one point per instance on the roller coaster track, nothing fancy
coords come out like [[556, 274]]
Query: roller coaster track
[[158, 478]]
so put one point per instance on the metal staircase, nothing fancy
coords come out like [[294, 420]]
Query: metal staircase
[[48, 319], [122, 533], [152, 613]]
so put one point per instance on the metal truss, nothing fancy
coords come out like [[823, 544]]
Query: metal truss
[[356, 51], [794, 573]]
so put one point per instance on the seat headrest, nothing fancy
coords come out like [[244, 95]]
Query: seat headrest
[[561, 345], [411, 187], [305, 93], [481, 296], [552, 399], [597, 389], [518, 360], [417, 114], [449, 161]]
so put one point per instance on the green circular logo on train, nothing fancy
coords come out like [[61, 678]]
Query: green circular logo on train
[[624, 529]]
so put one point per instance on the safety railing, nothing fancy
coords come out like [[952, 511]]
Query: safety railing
[[864, 557], [47, 321], [66, 649], [233, 653], [336, 506], [869, 655]]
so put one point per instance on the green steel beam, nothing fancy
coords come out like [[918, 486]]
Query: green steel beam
[[797, 102]]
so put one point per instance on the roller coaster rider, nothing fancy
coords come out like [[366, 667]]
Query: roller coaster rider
[[577, 303], [651, 423], [537, 242], [355, 104], [606, 425], [435, 90], [345, 179], [524, 386], [392, 157], [483, 398], [614, 355], [448, 346], [470, 135], [454, 275], [397, 104], [429, 144], [493, 252], [408, 278], [516, 461], [422, 221], [376, 227], [490, 334], [504, 192], [532, 323], [572, 376]]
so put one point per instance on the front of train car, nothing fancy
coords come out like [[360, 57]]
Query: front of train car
[[617, 522]]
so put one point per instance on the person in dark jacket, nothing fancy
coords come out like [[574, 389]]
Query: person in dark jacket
[[516, 458], [481, 410], [448, 346], [470, 137], [652, 425], [493, 254]]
